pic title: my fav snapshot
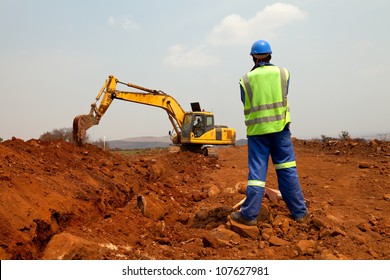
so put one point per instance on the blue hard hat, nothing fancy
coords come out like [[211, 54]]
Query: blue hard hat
[[260, 47]]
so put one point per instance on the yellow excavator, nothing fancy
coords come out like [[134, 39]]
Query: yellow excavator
[[194, 131]]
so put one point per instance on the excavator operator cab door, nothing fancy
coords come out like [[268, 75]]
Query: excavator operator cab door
[[197, 123]]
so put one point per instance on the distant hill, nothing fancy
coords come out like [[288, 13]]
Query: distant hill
[[149, 142], [150, 139], [241, 142], [146, 142]]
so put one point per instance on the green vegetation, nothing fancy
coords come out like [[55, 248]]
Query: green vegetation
[[325, 138], [384, 137], [135, 151], [344, 136], [66, 134]]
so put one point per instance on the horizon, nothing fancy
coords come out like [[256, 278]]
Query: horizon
[[366, 136]]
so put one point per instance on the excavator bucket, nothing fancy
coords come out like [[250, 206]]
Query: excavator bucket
[[80, 125]]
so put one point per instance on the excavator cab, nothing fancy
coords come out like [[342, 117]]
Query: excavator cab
[[199, 129], [196, 124]]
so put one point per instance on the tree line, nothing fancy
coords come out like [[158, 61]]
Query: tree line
[[66, 134]]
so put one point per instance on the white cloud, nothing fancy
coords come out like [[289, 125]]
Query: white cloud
[[123, 22], [236, 30], [181, 56]]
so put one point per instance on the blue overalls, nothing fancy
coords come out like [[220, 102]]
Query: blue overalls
[[279, 147]]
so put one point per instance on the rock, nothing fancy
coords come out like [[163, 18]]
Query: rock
[[327, 255], [306, 247], [33, 143], [358, 239], [264, 214], [244, 230], [5, 176], [292, 233], [65, 246], [229, 190], [156, 228], [163, 240], [202, 214], [363, 227], [213, 216], [386, 197], [183, 218], [342, 257], [267, 233], [210, 241], [240, 187], [213, 191], [373, 253], [276, 241], [279, 220], [4, 255], [363, 165], [337, 231], [334, 218], [318, 223], [373, 143], [285, 226], [270, 253], [293, 254], [272, 194], [107, 172], [263, 244], [151, 207], [225, 237], [353, 144], [324, 232]]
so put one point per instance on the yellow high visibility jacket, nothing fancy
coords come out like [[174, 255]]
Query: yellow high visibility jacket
[[266, 107]]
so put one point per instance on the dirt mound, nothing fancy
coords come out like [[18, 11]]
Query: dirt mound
[[59, 201]]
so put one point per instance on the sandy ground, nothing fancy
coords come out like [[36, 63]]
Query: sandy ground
[[59, 201]]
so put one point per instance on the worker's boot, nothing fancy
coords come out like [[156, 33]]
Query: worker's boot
[[237, 217], [302, 219]]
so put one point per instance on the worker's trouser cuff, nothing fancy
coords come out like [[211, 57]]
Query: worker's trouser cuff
[[251, 207]]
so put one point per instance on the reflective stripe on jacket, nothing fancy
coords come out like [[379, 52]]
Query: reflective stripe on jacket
[[266, 107]]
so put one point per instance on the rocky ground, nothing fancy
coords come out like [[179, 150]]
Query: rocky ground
[[59, 201]]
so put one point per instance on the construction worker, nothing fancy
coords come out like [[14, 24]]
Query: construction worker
[[267, 117]]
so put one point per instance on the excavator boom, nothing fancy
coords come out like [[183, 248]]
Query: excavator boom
[[109, 92]]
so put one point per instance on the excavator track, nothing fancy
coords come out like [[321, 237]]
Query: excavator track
[[212, 152], [208, 151]]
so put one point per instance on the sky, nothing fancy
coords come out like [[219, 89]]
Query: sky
[[56, 55]]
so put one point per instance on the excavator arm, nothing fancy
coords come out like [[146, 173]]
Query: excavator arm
[[109, 92]]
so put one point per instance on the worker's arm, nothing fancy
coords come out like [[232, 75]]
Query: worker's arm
[[242, 95], [288, 82]]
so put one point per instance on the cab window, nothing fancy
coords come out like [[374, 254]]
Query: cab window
[[209, 121]]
